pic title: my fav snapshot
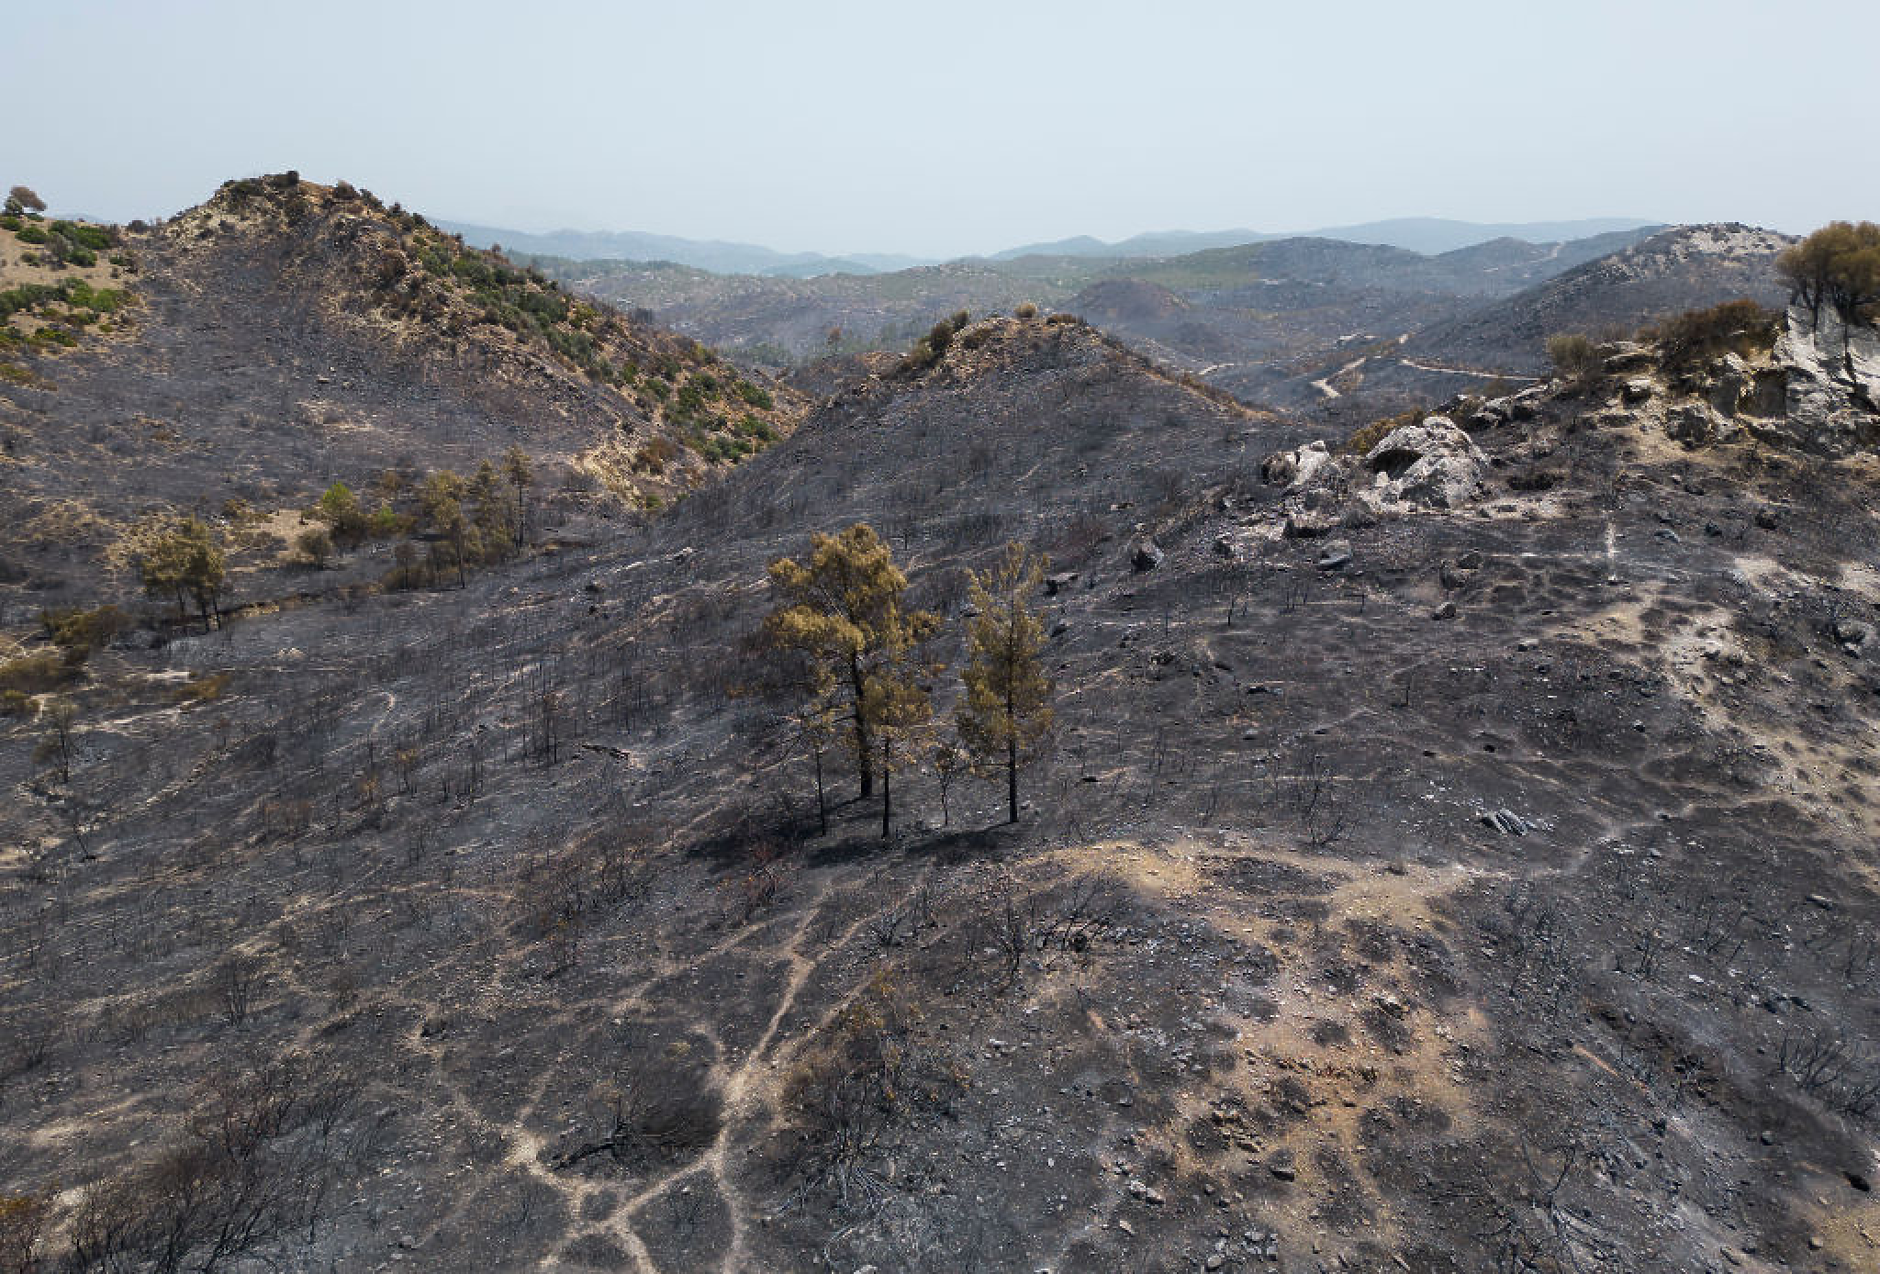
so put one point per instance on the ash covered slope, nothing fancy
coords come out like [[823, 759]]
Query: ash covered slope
[[1423, 886], [285, 336]]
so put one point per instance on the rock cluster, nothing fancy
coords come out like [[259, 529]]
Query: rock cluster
[[1429, 464]]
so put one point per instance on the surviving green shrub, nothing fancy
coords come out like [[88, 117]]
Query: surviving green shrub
[[654, 455], [96, 238], [37, 673], [339, 509], [387, 522], [756, 428], [240, 192], [33, 234], [79, 632]]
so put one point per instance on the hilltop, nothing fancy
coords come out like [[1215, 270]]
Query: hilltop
[[285, 336], [1684, 268], [1455, 851]]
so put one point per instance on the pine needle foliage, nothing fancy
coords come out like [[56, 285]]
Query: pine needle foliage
[[842, 612], [1006, 711]]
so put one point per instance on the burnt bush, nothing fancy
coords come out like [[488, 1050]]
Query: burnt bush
[[659, 1105], [257, 1160], [871, 1073], [1694, 337]]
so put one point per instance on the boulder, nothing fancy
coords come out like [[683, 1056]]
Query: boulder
[[1526, 405], [1851, 632], [1336, 555], [1145, 554], [1059, 583], [1433, 464], [1696, 424], [1297, 468], [1629, 357], [1506, 822], [1636, 389], [1488, 415], [1307, 524], [1730, 383]]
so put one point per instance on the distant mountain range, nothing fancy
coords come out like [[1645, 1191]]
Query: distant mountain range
[[704, 254], [1427, 235]]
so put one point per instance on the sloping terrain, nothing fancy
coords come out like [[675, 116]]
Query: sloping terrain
[[285, 336], [1683, 268], [1496, 343], [1409, 887]]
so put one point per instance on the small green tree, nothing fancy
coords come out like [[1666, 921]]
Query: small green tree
[[494, 523], [440, 488], [898, 710], [841, 612], [442, 501], [22, 199], [339, 508], [1838, 264], [521, 476], [185, 563], [1006, 711]]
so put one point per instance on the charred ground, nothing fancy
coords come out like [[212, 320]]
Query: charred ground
[[1501, 893]]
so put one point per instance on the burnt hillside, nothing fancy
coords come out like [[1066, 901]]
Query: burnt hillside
[[1432, 869], [284, 336]]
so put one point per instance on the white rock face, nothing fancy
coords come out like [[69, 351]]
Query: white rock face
[[1833, 382], [1434, 464]]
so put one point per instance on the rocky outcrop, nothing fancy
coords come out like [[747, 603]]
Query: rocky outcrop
[[1429, 465], [1432, 465], [1832, 370]]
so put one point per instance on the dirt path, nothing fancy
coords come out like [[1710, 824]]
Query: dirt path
[[1415, 366], [1325, 386], [749, 1090]]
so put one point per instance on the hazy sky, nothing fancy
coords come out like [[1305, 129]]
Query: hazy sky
[[958, 126]]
